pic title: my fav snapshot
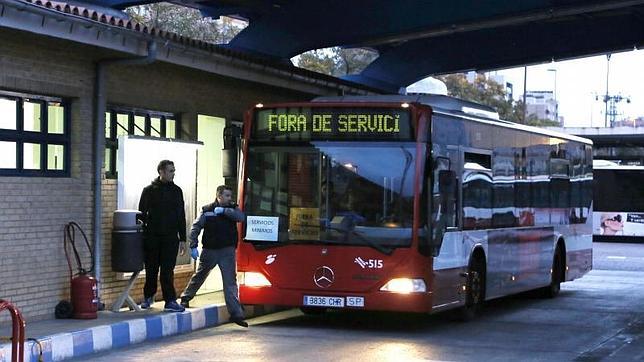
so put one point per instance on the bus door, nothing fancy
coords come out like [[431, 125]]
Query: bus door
[[446, 237]]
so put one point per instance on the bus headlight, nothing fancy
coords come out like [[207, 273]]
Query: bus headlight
[[253, 279], [405, 286]]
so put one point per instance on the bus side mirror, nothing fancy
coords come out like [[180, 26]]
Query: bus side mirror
[[446, 182], [229, 160]]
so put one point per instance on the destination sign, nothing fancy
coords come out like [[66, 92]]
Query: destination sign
[[333, 124]]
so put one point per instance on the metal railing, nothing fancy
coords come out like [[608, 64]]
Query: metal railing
[[17, 331]]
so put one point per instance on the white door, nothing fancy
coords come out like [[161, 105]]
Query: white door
[[209, 175]]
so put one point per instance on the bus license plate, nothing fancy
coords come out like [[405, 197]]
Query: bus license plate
[[318, 301], [355, 301]]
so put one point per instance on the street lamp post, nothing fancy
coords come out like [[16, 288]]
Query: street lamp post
[[555, 95], [606, 97], [525, 90]]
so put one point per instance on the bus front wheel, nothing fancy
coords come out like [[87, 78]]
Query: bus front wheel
[[553, 289], [475, 288]]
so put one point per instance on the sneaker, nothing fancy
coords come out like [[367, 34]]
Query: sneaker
[[173, 306], [239, 321], [185, 303], [147, 303]]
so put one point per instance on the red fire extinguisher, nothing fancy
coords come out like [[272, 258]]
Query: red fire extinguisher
[[84, 293]]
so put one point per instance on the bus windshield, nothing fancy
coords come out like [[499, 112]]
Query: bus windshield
[[354, 193]]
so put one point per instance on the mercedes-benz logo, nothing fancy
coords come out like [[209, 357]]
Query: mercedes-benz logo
[[323, 277]]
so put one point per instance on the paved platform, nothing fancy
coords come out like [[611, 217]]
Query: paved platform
[[60, 339]]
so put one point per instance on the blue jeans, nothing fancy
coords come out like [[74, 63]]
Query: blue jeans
[[209, 259]]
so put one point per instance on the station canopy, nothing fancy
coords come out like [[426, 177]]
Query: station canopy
[[418, 38]]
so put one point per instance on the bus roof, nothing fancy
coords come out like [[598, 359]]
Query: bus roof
[[436, 101], [604, 163], [453, 106]]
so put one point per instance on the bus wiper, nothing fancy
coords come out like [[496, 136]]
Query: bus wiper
[[347, 232], [366, 241], [266, 246]]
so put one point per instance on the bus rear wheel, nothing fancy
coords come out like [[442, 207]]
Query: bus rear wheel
[[475, 288], [553, 289]]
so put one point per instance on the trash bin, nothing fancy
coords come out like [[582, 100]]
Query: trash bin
[[127, 242], [127, 250], [125, 219]]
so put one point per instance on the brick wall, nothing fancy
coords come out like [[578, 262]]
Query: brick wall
[[33, 269]]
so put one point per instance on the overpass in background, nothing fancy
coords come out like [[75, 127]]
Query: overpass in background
[[416, 39], [624, 144]]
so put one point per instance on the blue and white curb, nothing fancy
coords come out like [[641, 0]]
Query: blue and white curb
[[62, 346]]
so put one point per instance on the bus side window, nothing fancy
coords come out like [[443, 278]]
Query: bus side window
[[448, 190], [443, 206]]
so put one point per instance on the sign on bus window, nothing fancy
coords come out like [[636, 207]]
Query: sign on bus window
[[263, 228]]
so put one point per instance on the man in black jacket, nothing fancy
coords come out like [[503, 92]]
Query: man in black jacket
[[164, 227], [219, 222]]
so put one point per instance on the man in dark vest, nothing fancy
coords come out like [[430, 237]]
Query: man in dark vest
[[219, 222], [164, 226]]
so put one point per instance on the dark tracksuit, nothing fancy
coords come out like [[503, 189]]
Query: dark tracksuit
[[219, 243], [164, 226]]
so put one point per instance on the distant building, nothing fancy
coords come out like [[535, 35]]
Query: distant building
[[542, 104], [507, 86], [632, 122], [498, 78]]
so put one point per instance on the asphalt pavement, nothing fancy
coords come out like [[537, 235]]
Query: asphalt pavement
[[599, 317]]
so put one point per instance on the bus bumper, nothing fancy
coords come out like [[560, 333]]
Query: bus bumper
[[375, 301]]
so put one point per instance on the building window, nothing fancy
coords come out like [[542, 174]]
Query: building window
[[34, 135], [127, 121]]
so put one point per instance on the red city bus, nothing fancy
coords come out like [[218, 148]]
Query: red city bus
[[407, 203]]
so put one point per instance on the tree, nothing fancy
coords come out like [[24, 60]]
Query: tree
[[354, 60], [320, 61], [336, 61], [188, 22], [482, 90], [535, 121], [490, 93], [185, 21]]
